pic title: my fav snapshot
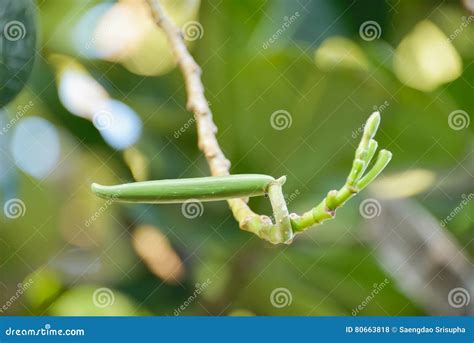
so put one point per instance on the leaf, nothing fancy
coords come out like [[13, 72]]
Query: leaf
[[17, 46]]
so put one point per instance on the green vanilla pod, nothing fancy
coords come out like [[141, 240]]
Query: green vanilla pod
[[212, 188]]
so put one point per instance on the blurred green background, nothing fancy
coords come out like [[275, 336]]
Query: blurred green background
[[105, 104]]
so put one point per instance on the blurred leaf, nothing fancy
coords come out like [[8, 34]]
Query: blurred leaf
[[425, 59], [425, 260], [403, 185], [45, 284], [17, 46], [241, 313], [89, 300], [126, 33], [157, 253], [339, 52]]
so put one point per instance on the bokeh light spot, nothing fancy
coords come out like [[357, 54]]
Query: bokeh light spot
[[35, 146], [425, 59], [118, 124]]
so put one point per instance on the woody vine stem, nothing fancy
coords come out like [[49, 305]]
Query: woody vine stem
[[286, 225]]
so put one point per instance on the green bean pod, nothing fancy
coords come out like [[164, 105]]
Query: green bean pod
[[211, 188]]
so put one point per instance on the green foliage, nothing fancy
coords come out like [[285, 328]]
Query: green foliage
[[328, 271], [17, 46]]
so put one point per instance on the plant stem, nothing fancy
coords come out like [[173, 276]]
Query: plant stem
[[355, 182], [282, 230], [285, 226], [206, 129]]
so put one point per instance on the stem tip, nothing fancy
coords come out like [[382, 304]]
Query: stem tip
[[372, 125]]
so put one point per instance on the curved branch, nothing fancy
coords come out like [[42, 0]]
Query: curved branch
[[206, 129], [285, 226]]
